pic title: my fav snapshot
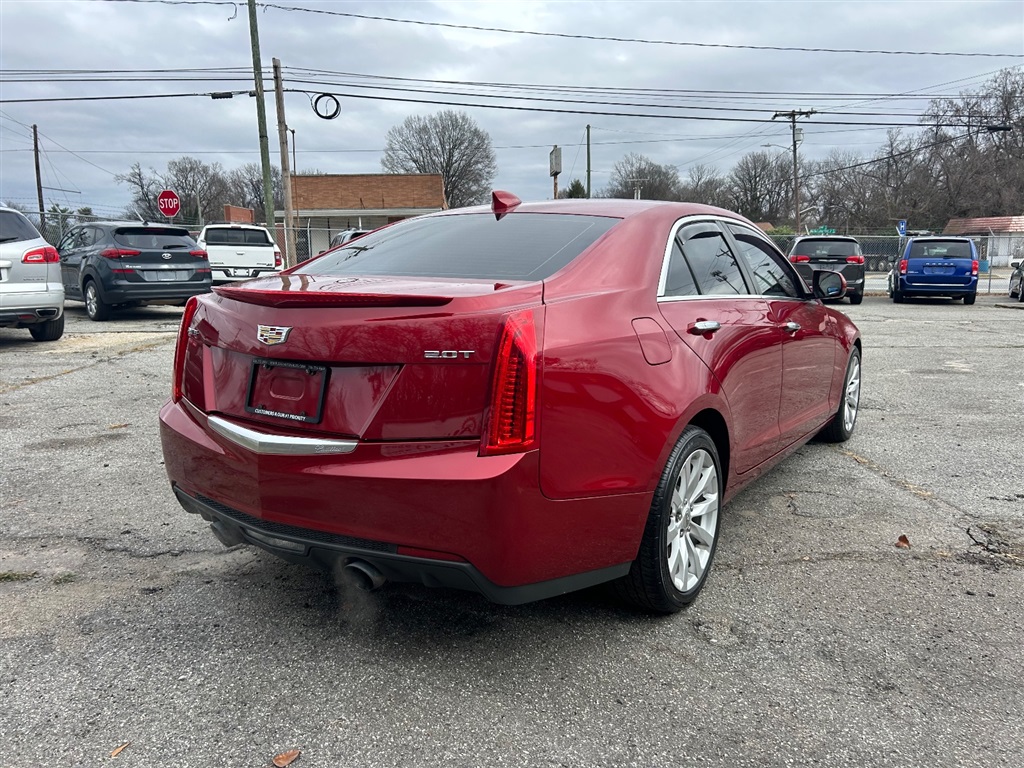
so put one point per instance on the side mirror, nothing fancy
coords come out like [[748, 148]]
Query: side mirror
[[1015, 264], [828, 285]]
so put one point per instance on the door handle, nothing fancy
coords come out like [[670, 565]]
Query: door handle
[[704, 328], [791, 327]]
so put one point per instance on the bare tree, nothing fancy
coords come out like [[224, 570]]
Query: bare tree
[[761, 187], [639, 176], [704, 184], [245, 186], [448, 143]]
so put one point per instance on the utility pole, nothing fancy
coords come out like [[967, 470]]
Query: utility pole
[[39, 180], [588, 162], [261, 117], [290, 257], [792, 116]]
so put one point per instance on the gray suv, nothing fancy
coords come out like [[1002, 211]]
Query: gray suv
[[837, 253], [111, 265], [31, 294]]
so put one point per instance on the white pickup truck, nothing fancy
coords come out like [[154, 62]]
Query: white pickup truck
[[239, 251]]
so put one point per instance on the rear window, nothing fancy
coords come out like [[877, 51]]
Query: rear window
[[237, 237], [940, 249], [151, 238], [826, 248], [14, 227], [519, 246]]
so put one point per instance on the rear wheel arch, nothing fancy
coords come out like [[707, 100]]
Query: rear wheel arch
[[712, 422]]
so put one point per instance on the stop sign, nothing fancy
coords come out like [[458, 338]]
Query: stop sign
[[168, 203]]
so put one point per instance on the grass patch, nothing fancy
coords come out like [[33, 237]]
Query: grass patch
[[17, 575], [65, 578]]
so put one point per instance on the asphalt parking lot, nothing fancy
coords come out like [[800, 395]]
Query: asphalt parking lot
[[817, 641]]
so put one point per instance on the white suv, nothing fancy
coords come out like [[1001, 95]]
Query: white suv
[[239, 251], [31, 291]]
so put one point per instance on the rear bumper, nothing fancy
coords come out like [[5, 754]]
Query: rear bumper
[[223, 275], [428, 512], [30, 307], [332, 552], [123, 293], [908, 288]]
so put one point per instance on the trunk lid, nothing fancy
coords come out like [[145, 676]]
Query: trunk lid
[[374, 358]]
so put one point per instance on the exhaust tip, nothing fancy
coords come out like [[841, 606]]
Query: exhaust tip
[[229, 537], [366, 576]]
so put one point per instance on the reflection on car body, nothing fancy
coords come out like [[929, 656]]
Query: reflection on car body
[[634, 365]]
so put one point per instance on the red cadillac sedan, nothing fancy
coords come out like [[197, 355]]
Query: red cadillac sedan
[[520, 400]]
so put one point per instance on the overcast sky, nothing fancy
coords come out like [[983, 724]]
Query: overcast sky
[[86, 143]]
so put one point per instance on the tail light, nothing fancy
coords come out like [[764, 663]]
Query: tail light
[[277, 259], [117, 253], [178, 376], [799, 259], [47, 254], [974, 268], [903, 266], [512, 424], [199, 253], [855, 259]]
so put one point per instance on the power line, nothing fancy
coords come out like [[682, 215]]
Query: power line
[[566, 36]]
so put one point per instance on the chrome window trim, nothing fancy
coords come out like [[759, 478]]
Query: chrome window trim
[[716, 297], [278, 445]]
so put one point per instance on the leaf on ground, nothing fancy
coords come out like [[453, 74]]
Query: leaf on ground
[[120, 749], [118, 426], [903, 542], [287, 758]]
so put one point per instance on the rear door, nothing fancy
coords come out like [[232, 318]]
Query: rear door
[[157, 255], [705, 297], [72, 249], [809, 344], [239, 252], [938, 264]]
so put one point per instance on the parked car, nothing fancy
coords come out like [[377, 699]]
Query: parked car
[[520, 400], [239, 251], [349, 234], [935, 266], [1017, 280], [835, 252], [31, 294], [114, 265]]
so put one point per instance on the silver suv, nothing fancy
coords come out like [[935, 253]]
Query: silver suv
[[31, 292]]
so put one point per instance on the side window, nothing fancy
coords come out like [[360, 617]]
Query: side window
[[713, 265], [771, 277], [89, 236], [69, 241], [679, 281]]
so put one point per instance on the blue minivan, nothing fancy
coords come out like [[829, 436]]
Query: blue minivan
[[935, 266]]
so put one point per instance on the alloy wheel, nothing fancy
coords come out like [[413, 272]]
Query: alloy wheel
[[851, 398], [693, 521]]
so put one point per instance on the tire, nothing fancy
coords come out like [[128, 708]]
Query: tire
[[856, 298], [94, 306], [897, 297], [970, 298], [1020, 292], [840, 429], [51, 330], [681, 535]]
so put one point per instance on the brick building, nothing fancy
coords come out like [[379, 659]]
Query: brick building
[[328, 204]]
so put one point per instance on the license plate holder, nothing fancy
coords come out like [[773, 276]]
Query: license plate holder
[[285, 390]]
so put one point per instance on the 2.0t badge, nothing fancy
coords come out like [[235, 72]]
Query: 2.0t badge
[[272, 334]]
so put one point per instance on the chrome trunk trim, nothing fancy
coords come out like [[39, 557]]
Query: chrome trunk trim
[[261, 442]]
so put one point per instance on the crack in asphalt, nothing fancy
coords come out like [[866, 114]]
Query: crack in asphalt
[[91, 364]]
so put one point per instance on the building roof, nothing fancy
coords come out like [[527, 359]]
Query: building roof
[[361, 193], [996, 224]]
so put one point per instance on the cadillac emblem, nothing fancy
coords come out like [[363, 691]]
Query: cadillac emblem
[[272, 334]]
